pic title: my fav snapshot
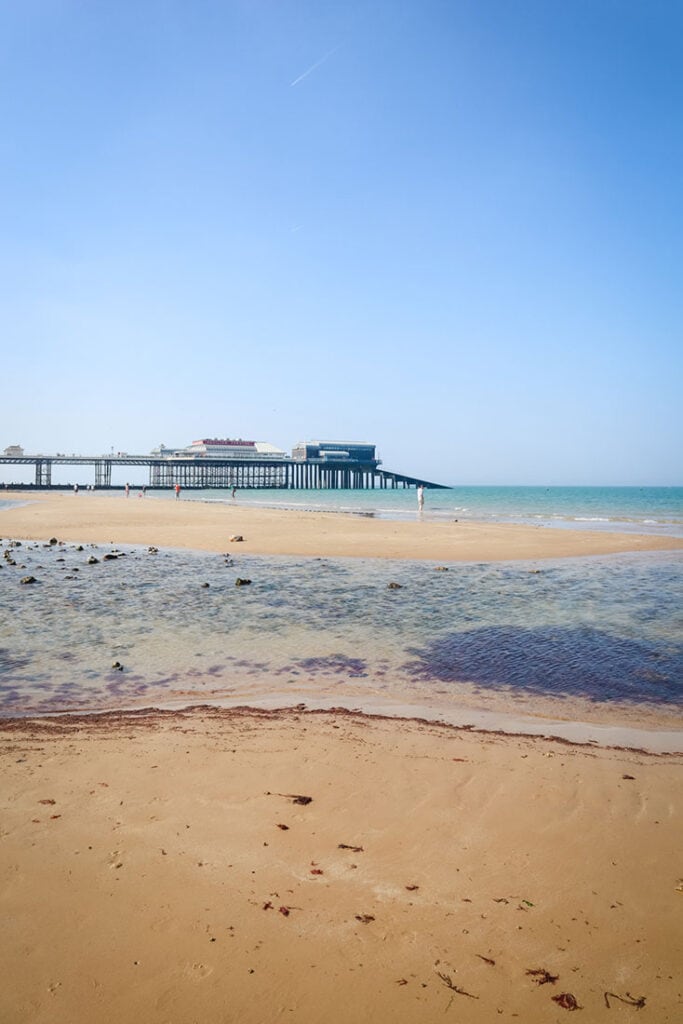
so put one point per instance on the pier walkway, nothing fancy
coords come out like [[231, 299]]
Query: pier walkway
[[243, 473]]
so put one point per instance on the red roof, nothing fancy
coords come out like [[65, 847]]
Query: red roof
[[226, 441]]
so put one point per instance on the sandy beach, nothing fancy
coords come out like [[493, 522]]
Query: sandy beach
[[115, 519], [244, 865]]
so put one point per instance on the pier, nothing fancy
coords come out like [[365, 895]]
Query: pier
[[221, 473]]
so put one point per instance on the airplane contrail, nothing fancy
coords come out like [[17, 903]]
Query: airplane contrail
[[314, 66]]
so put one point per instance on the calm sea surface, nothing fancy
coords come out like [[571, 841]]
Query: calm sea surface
[[604, 632]]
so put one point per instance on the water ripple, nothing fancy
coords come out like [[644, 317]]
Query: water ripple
[[556, 661]]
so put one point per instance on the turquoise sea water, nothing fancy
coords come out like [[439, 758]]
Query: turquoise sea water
[[650, 510]]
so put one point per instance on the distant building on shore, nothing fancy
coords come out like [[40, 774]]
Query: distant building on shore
[[14, 451], [223, 448]]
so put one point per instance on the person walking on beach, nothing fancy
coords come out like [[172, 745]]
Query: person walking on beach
[[177, 491], [234, 492], [127, 489], [420, 497]]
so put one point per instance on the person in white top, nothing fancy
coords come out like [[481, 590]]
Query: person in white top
[[420, 497]]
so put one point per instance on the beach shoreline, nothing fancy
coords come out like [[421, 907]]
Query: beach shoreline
[[252, 862], [97, 518], [192, 526]]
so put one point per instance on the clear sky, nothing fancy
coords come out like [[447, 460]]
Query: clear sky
[[451, 227]]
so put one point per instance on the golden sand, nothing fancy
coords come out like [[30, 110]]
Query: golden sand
[[208, 526], [159, 868]]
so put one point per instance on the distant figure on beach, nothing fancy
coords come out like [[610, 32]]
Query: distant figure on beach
[[420, 497], [127, 489], [144, 491], [234, 492], [177, 491], [75, 488]]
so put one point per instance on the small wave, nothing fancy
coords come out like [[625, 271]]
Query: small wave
[[591, 519]]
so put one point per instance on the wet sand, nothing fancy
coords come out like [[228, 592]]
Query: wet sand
[[159, 867], [87, 517], [156, 866]]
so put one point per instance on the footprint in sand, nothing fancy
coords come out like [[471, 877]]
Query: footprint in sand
[[198, 971]]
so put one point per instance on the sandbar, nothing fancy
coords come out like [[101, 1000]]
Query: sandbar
[[208, 526]]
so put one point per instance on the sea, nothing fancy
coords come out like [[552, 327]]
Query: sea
[[650, 510], [589, 649]]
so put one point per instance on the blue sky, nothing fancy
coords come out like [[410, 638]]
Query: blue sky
[[451, 228]]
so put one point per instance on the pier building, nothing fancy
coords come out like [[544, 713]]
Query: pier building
[[336, 451], [223, 448]]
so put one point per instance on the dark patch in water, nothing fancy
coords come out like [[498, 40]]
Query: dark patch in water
[[9, 693], [560, 660], [336, 663], [9, 661]]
